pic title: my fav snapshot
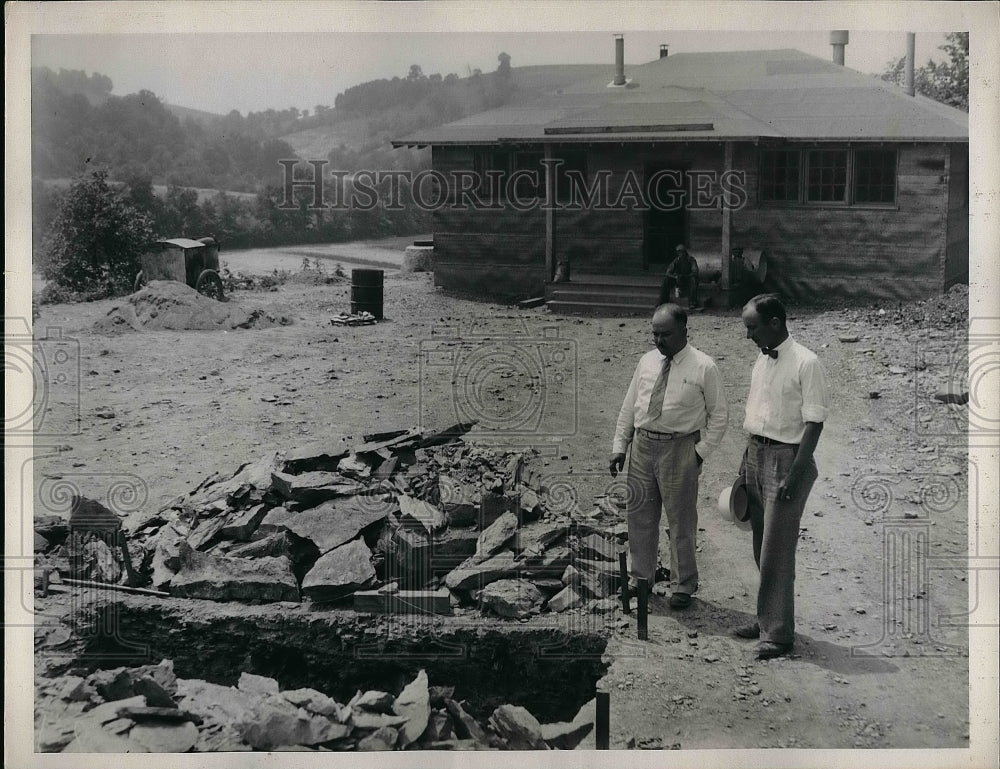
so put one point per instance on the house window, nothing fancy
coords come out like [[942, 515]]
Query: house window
[[827, 176], [779, 176], [494, 162], [874, 176], [863, 176]]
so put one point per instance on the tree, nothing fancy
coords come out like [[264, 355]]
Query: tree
[[947, 82], [96, 239], [504, 69]]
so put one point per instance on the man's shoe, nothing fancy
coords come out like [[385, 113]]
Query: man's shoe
[[747, 631], [680, 601], [769, 650]]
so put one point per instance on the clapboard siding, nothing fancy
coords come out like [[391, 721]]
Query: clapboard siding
[[956, 262], [914, 248]]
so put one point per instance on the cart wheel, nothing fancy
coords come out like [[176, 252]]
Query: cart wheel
[[140, 281], [210, 284]]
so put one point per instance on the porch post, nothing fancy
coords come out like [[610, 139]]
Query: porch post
[[727, 220], [550, 216]]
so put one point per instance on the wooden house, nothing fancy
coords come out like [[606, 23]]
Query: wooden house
[[849, 186]]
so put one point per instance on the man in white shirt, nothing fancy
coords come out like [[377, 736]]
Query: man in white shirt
[[785, 411], [674, 416]]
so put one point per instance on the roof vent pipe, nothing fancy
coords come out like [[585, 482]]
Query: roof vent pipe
[[664, 50], [911, 45], [839, 39], [619, 60]]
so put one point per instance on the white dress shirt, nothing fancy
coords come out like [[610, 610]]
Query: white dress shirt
[[694, 400], [785, 393]]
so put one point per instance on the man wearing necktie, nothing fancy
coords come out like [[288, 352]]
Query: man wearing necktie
[[674, 415], [785, 411]]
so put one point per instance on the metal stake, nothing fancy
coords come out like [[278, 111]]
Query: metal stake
[[623, 578], [643, 607], [602, 722]]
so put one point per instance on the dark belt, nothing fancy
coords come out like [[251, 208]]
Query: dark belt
[[760, 439], [657, 436]]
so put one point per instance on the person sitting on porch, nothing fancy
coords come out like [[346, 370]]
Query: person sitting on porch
[[681, 273]]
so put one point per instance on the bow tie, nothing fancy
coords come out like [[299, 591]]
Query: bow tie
[[769, 351]]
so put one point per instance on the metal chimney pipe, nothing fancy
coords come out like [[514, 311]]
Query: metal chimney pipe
[[664, 50], [619, 60], [911, 47], [839, 39]]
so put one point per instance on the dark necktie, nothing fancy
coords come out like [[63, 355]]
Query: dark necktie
[[770, 351], [656, 398]]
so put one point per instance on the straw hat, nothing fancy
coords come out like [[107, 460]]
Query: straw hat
[[733, 504]]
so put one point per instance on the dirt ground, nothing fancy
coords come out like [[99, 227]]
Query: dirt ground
[[881, 656]]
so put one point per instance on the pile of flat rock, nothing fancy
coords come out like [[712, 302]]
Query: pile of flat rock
[[150, 709], [405, 522]]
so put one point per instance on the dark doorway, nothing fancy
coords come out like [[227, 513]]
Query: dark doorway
[[666, 220]]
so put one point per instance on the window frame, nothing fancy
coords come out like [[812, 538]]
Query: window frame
[[850, 181]]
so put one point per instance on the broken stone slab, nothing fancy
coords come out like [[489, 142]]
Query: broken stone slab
[[549, 585], [552, 562], [451, 547], [275, 722], [447, 435], [320, 457], [518, 727], [314, 701], [373, 700], [466, 727], [413, 703], [512, 598], [166, 555], [568, 598], [274, 545], [952, 394], [566, 735], [330, 524], [492, 506], [159, 714], [362, 719], [537, 536], [223, 578], [255, 684], [355, 466], [495, 536], [314, 487], [438, 694], [213, 492], [340, 572], [109, 711], [386, 468], [220, 738], [597, 547], [528, 504], [92, 738], [459, 501], [214, 702], [424, 513], [165, 738], [571, 576], [403, 602], [208, 531], [242, 526], [473, 576], [383, 738]]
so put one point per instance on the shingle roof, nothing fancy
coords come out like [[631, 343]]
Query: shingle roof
[[783, 94]]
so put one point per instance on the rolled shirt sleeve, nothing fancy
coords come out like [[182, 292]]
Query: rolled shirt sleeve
[[815, 396]]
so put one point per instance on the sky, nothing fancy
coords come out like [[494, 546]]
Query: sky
[[302, 54]]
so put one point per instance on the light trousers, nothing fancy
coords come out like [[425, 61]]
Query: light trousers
[[663, 477], [775, 535]]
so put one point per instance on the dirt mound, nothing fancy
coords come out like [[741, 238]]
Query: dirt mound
[[169, 305], [947, 310]]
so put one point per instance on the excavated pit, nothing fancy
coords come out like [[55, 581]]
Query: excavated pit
[[551, 668]]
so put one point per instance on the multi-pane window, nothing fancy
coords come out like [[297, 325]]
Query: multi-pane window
[[875, 176], [827, 176], [861, 176], [529, 186], [779, 176]]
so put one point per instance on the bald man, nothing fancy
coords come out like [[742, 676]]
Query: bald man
[[674, 416]]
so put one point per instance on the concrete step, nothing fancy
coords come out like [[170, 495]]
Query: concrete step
[[597, 308]]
